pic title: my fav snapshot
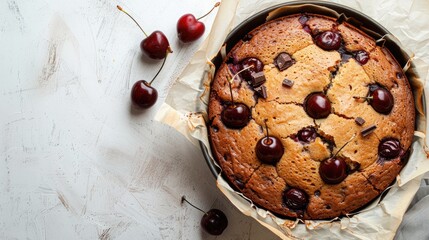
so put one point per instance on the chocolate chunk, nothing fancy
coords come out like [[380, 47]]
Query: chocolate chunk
[[258, 78], [283, 61], [359, 121], [288, 83], [261, 91], [366, 131]]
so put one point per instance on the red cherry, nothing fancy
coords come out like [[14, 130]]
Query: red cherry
[[317, 105], [214, 221], [382, 100], [328, 40], [333, 170], [389, 148], [189, 28], [143, 94], [155, 45], [361, 57], [295, 199], [235, 115], [269, 150]]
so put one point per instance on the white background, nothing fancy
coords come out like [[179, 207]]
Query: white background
[[75, 161]]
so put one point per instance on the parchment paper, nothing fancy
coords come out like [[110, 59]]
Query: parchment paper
[[185, 110]]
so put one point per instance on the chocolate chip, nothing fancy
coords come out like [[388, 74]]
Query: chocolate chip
[[288, 83], [240, 184], [398, 75], [317, 193], [261, 91], [283, 61], [258, 78], [366, 131], [359, 121], [247, 37]]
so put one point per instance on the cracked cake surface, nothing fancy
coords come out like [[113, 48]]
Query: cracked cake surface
[[309, 118]]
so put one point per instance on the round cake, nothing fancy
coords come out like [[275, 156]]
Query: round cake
[[309, 118]]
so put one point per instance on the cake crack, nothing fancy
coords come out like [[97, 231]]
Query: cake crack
[[372, 184]]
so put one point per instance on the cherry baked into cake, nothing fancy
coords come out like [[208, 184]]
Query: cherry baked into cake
[[309, 118]]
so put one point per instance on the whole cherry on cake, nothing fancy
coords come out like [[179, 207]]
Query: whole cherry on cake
[[155, 45], [214, 221], [235, 115], [317, 105], [269, 149], [333, 170], [190, 28], [389, 148], [380, 99], [295, 199], [143, 94]]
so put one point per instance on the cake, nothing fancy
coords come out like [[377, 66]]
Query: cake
[[310, 118]]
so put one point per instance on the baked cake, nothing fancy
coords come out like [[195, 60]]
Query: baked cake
[[309, 118]]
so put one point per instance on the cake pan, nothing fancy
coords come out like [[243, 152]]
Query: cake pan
[[353, 17]]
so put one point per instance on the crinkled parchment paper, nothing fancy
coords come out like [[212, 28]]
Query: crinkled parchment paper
[[185, 110]]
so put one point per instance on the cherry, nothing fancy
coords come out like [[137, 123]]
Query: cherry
[[328, 40], [252, 65], [214, 221], [382, 100], [189, 28], [269, 149], [361, 57], [333, 170], [155, 45], [389, 148], [317, 105], [143, 94], [235, 115], [295, 199], [307, 135]]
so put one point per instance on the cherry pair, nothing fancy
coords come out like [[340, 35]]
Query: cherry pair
[[156, 46]]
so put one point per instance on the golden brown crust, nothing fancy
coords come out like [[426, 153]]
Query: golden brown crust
[[314, 70]]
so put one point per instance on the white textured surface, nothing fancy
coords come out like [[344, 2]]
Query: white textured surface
[[76, 162]]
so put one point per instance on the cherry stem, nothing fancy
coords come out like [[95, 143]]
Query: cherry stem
[[232, 79], [159, 70], [345, 144], [185, 200], [215, 6], [230, 91], [366, 98], [122, 10], [265, 121]]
